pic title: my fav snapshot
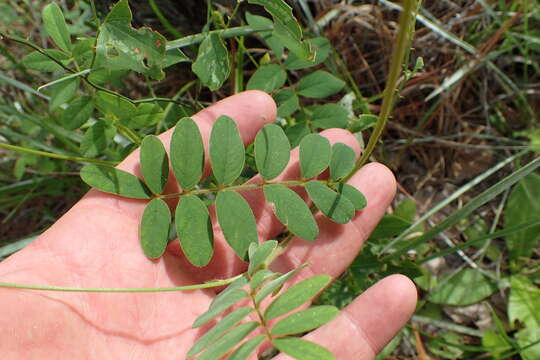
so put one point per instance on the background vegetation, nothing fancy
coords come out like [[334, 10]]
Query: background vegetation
[[466, 222]]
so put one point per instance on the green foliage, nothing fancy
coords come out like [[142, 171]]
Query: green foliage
[[272, 151], [469, 286], [114, 181], [227, 153], [154, 164], [315, 155], [212, 65], [55, 25], [154, 231], [524, 307], [187, 153]]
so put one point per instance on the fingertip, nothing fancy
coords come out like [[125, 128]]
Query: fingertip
[[336, 135]]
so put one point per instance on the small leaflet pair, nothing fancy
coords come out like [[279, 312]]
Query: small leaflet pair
[[336, 200]]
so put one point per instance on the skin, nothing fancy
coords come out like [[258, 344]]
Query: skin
[[95, 244]]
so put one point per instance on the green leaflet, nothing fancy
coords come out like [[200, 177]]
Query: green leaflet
[[243, 352], [319, 84], [353, 195], [212, 65], [146, 115], [301, 349], [55, 25], [524, 306], [222, 296], [114, 181], [78, 112], [333, 205], [219, 329], [292, 211], [227, 153], [154, 229], [261, 255], [154, 164], [468, 287], [320, 45], [114, 106], [296, 296], [305, 320], [329, 116], [260, 277], [187, 153], [37, 61], [343, 161], [272, 151], [236, 221], [287, 102], [119, 46], [274, 285], [62, 92], [267, 78], [215, 309], [315, 155], [228, 341], [97, 138], [194, 229]]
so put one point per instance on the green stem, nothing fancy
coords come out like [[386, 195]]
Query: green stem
[[211, 284], [224, 34], [129, 134], [163, 20], [56, 156], [399, 53]]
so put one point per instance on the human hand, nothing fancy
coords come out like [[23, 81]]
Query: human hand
[[96, 245]]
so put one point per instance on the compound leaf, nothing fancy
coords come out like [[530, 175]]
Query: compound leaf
[[334, 206], [296, 296], [315, 155], [78, 112], [154, 229], [329, 116], [226, 302], [154, 164], [227, 153], [228, 341], [187, 153], [292, 211], [212, 65], [236, 221], [272, 151], [267, 78], [194, 229], [56, 27], [243, 352], [353, 195], [114, 181], [319, 84], [305, 320], [301, 349], [222, 296], [260, 256], [343, 161], [274, 285]]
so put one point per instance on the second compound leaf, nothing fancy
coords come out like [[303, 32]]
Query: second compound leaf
[[154, 229], [114, 181], [227, 153]]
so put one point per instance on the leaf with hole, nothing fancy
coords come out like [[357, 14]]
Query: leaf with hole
[[334, 206], [216, 309], [272, 151], [212, 65], [236, 221], [194, 229], [292, 211], [305, 320], [228, 341], [154, 228], [78, 112], [154, 164], [55, 25], [329, 116], [261, 255], [343, 161], [187, 153], [227, 153], [301, 349], [354, 195], [114, 181], [267, 78], [319, 84], [315, 155]]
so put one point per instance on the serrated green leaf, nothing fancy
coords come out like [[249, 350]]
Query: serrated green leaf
[[187, 153], [301, 349], [217, 308], [292, 211], [296, 296], [261, 254], [260, 277], [275, 285], [236, 284], [320, 45], [243, 352], [334, 206], [228, 341], [272, 151], [146, 115], [343, 161], [62, 92], [315, 155], [37, 61], [305, 320], [212, 65], [354, 195], [329, 116], [78, 112], [114, 106], [218, 330], [287, 102], [96, 139], [468, 287], [114, 181], [154, 229], [119, 46], [154, 164], [227, 154], [194, 229], [267, 78], [319, 84], [236, 221], [56, 27]]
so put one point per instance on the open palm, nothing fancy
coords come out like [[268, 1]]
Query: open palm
[[96, 245]]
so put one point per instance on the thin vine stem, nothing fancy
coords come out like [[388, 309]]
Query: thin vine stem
[[224, 34]]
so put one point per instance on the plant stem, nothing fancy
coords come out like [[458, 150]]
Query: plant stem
[[210, 284], [224, 34]]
